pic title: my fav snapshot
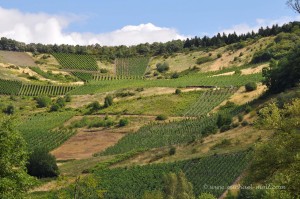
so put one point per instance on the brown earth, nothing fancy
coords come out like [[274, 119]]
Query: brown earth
[[86, 143], [16, 58]]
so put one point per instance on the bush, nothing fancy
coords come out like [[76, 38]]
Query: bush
[[245, 123], [251, 86], [108, 101], [68, 98], [211, 129], [178, 91], [219, 55], [162, 67], [248, 109], [262, 56], [55, 107], [225, 128], [172, 151], [175, 75], [123, 122], [224, 119], [94, 106], [42, 164], [240, 117], [61, 102], [237, 72], [43, 101], [203, 60], [9, 110], [161, 117]]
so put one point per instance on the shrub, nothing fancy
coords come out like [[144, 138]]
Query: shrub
[[9, 110], [123, 122], [68, 98], [175, 75], [203, 60], [172, 151], [61, 102], [248, 109], [162, 67], [235, 125], [43, 101], [219, 55], [251, 86], [161, 117], [55, 107], [224, 119], [225, 128], [178, 91], [240, 117], [237, 72], [108, 101], [211, 129], [262, 56], [245, 123], [94, 106], [42, 164]]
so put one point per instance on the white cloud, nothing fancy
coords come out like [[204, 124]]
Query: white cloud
[[245, 28], [50, 29]]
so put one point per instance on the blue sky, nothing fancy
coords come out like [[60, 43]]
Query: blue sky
[[91, 21]]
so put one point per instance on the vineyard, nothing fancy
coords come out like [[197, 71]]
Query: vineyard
[[219, 171], [83, 76], [131, 66], [207, 101], [76, 62], [101, 77], [189, 80], [39, 130], [160, 135], [36, 89], [9, 87]]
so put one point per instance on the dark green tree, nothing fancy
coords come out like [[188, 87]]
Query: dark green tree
[[294, 4], [42, 164], [14, 181]]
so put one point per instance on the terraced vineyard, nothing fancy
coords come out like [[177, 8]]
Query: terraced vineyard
[[9, 87], [36, 89], [160, 135], [207, 101], [39, 129], [203, 173], [101, 77], [131, 66], [83, 76], [189, 80], [76, 62]]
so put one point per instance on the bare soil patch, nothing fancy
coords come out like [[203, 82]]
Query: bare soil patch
[[86, 143], [16, 58]]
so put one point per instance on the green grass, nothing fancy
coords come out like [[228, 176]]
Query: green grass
[[40, 130], [170, 104], [189, 80], [218, 170]]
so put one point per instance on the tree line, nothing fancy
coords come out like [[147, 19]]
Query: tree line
[[109, 53]]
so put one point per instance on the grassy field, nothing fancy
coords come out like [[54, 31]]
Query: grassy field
[[171, 104]]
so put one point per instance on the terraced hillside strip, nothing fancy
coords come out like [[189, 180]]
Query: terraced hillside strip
[[204, 173], [194, 80], [41, 129], [76, 62], [16, 58], [9, 87], [39, 89], [207, 101], [131, 66]]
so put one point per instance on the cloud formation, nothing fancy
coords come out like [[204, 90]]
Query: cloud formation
[[245, 28], [50, 29]]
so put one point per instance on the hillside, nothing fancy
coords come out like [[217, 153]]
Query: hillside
[[130, 122]]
